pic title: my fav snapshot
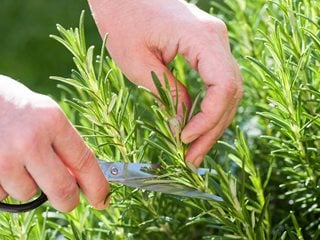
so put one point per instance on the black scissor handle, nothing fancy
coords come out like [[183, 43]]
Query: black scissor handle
[[24, 207]]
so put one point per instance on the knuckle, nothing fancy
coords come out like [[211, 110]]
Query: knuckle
[[237, 90], [66, 192], [232, 89], [216, 27], [26, 141], [47, 111], [221, 27], [52, 116], [85, 161]]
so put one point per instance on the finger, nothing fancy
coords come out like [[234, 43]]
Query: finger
[[17, 182], [224, 91], [202, 145], [209, 54], [55, 180], [213, 107], [80, 160], [3, 194]]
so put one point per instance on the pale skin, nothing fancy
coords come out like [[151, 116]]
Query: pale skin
[[43, 150]]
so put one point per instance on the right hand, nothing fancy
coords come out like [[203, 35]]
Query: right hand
[[40, 148]]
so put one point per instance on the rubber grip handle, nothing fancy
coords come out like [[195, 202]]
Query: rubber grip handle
[[24, 207]]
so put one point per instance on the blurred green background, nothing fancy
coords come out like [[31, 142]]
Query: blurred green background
[[26, 51]]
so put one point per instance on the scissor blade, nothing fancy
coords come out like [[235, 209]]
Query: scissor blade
[[134, 175], [172, 189], [120, 171]]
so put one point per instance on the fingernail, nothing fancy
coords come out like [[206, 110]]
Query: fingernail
[[107, 199], [188, 138], [104, 204], [197, 162], [191, 167], [101, 206]]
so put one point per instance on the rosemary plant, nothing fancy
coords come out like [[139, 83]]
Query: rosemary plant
[[281, 42], [99, 103], [266, 165]]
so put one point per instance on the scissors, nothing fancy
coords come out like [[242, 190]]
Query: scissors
[[136, 175]]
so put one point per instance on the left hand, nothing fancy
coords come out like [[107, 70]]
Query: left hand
[[145, 35]]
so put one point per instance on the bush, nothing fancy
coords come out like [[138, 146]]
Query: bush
[[267, 163]]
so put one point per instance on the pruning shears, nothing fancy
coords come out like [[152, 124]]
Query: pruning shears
[[136, 175]]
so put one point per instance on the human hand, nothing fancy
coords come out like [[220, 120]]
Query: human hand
[[145, 35], [39, 147]]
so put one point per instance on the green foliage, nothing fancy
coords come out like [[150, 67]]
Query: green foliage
[[282, 78], [267, 167]]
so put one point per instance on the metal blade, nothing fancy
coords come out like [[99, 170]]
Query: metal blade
[[120, 171], [133, 175], [171, 188]]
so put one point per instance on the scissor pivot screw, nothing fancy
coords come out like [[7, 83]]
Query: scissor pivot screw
[[114, 171]]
